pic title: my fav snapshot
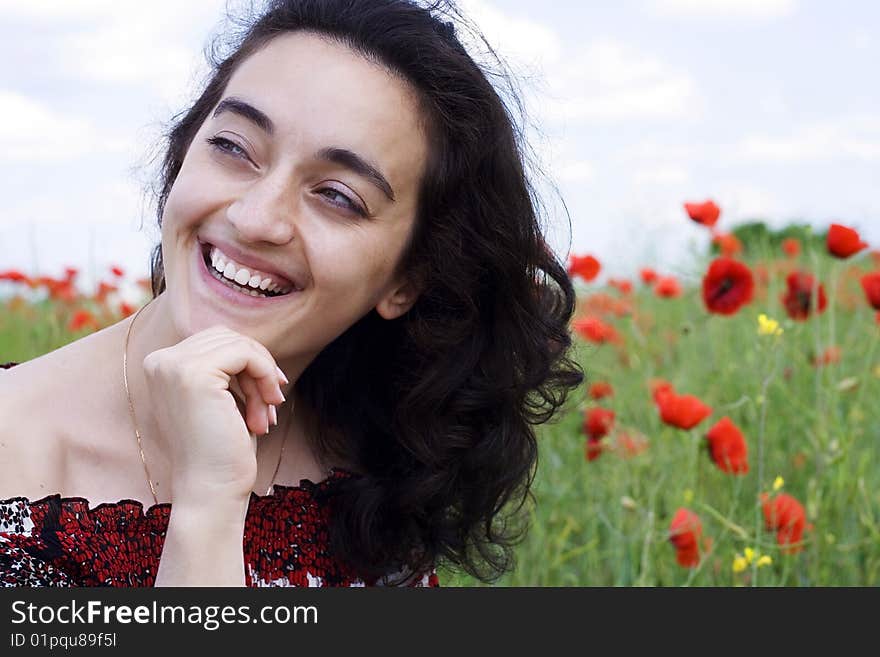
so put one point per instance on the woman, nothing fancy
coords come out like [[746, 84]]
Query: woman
[[355, 174]]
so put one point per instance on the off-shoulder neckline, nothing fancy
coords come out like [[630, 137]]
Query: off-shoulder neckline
[[279, 491]]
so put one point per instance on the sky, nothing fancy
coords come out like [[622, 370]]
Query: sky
[[769, 107]]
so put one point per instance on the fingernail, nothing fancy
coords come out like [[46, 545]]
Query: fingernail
[[281, 374], [274, 415]]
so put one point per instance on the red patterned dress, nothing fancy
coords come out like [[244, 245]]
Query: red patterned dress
[[63, 541]]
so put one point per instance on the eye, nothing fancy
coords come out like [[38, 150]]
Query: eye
[[346, 203], [228, 146]]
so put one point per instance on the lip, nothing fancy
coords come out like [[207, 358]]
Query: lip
[[253, 262], [230, 297]]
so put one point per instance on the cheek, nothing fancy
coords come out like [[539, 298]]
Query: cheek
[[355, 271], [192, 192]]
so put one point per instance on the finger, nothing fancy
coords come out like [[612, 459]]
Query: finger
[[228, 359], [270, 385], [247, 396], [257, 417]]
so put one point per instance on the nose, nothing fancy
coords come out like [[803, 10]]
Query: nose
[[264, 211]]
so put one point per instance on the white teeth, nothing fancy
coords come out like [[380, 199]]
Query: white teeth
[[234, 286], [243, 276]]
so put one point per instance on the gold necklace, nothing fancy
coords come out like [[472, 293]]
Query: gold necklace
[[137, 433]]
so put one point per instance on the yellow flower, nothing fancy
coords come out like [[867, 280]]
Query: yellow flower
[[750, 554], [778, 483], [767, 326], [764, 561], [688, 496], [739, 564]]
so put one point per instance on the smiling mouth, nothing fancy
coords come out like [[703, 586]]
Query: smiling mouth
[[243, 289]]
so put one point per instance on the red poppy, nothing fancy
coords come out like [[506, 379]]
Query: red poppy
[[587, 267], [660, 387], [595, 330], [593, 448], [623, 285], [727, 447], [682, 411], [871, 285], [104, 289], [605, 304], [727, 286], [728, 244], [844, 241], [82, 318], [830, 356], [787, 517], [125, 309], [14, 275], [629, 444], [61, 290], [117, 270], [70, 273], [601, 389], [685, 532], [791, 246], [706, 213], [647, 275], [598, 422], [667, 287], [798, 298]]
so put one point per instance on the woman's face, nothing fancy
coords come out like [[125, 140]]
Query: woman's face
[[312, 170]]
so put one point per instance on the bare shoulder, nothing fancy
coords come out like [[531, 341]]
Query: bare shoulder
[[28, 452], [40, 400]]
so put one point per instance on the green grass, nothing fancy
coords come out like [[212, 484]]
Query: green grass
[[816, 427]]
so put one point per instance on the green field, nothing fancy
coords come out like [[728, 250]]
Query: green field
[[813, 429]]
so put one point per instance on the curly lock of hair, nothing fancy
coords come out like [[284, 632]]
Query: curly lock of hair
[[436, 407]]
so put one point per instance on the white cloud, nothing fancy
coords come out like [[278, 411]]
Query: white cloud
[[669, 174], [656, 152], [137, 59], [856, 137], [156, 44], [523, 41], [576, 171], [31, 131], [725, 9], [742, 199], [56, 10], [861, 39], [613, 81]]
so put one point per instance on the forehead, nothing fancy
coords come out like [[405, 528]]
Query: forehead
[[319, 92]]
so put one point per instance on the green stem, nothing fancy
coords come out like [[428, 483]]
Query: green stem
[[765, 384]]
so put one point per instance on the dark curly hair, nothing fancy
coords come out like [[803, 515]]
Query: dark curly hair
[[435, 407]]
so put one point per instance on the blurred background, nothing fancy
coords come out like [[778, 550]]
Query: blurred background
[[768, 107]]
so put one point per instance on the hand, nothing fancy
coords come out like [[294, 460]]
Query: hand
[[213, 454]]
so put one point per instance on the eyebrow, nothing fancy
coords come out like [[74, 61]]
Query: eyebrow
[[341, 156]]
